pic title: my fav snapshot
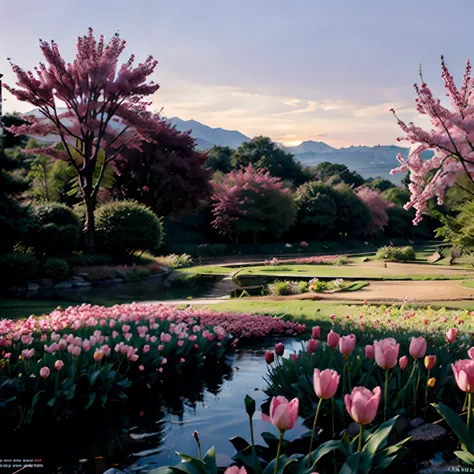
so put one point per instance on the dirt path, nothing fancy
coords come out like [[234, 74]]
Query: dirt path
[[395, 291]]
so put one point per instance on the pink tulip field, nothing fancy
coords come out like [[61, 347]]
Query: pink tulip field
[[111, 348]]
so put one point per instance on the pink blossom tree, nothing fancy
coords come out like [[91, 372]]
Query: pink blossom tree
[[451, 138], [378, 210], [106, 109], [252, 201]]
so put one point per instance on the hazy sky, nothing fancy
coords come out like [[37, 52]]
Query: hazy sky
[[294, 70]]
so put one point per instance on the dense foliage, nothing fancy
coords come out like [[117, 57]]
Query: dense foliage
[[124, 227], [167, 174], [54, 229], [252, 201]]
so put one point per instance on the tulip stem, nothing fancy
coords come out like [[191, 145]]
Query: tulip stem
[[332, 415], [464, 405], [469, 409], [359, 449], [385, 395], [414, 387], [314, 430], [426, 392], [278, 451], [252, 439]]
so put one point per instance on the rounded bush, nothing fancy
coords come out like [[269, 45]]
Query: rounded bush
[[56, 269], [124, 227], [396, 254], [54, 229], [17, 268]]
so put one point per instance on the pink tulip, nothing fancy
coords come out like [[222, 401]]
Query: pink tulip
[[141, 368], [312, 345], [164, 361], [430, 361], [165, 337], [470, 353], [182, 360], [283, 414], [132, 357], [386, 352], [294, 357], [347, 344], [59, 364], [333, 339], [28, 353], [44, 372], [146, 348], [161, 347], [315, 332], [325, 383], [362, 404], [464, 374], [235, 470], [369, 352], [75, 351], [418, 347], [279, 349], [269, 357], [180, 343], [451, 335], [86, 345], [403, 362]]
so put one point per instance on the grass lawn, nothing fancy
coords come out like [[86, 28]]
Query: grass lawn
[[326, 271], [468, 284]]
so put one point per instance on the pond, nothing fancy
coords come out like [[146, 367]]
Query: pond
[[147, 434]]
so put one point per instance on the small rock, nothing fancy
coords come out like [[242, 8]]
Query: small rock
[[353, 429], [32, 286], [427, 433], [63, 285], [416, 422], [78, 282], [84, 276], [45, 282]]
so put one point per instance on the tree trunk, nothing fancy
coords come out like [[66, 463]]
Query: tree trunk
[[89, 229]]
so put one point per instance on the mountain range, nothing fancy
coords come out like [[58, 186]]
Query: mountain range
[[369, 161]]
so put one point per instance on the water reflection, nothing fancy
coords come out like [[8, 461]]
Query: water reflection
[[146, 432]]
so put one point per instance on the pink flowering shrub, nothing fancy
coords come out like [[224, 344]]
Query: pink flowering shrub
[[450, 138], [108, 349], [378, 210]]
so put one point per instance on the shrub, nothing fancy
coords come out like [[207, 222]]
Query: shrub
[[317, 285], [176, 260], [283, 288], [56, 268], [396, 254], [17, 268], [343, 260], [303, 287], [87, 260], [54, 229], [125, 227]]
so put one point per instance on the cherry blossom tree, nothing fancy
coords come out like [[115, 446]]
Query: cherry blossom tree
[[451, 138], [252, 201], [378, 210], [106, 109]]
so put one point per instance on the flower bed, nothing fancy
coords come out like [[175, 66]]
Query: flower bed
[[316, 260], [86, 355]]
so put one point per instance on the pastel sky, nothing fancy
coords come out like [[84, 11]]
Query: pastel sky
[[294, 70]]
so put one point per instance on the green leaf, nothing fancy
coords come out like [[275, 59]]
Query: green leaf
[[166, 470], [246, 457], [35, 399], [455, 423], [52, 402], [210, 460], [239, 443], [351, 466], [465, 457], [95, 375], [91, 400], [377, 440], [324, 449]]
